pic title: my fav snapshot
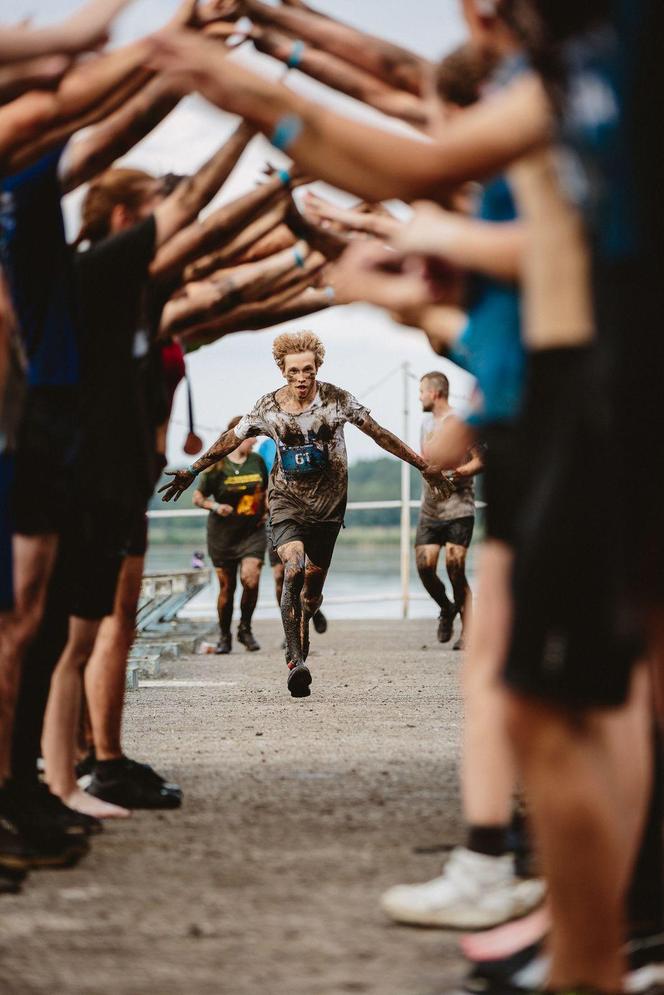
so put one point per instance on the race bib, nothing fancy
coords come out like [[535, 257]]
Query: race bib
[[298, 461]]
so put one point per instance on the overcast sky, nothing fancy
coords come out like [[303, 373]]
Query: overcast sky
[[363, 345]]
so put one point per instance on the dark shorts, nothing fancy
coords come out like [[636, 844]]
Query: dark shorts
[[573, 640], [6, 532], [319, 540], [502, 481], [272, 554], [92, 549], [44, 462], [224, 551], [433, 532]]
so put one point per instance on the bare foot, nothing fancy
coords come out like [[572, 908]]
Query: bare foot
[[81, 801]]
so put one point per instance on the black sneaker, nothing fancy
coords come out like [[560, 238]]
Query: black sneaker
[[132, 785], [224, 645], [299, 680], [446, 623], [320, 622], [460, 644], [246, 637], [86, 764], [14, 853], [11, 881], [645, 958], [42, 840], [69, 819]]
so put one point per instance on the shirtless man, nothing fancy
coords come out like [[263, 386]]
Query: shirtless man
[[309, 481], [446, 522]]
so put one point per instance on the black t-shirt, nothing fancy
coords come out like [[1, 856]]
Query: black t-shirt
[[121, 383], [241, 485]]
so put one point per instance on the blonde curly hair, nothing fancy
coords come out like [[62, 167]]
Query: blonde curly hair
[[289, 343]]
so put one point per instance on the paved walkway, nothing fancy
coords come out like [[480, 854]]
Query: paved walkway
[[297, 815]]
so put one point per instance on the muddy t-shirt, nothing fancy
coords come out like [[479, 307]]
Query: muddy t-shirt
[[309, 479], [460, 504]]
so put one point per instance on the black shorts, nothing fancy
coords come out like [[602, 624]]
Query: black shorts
[[433, 532], [573, 641], [502, 480], [272, 554], [45, 457], [319, 540], [225, 551], [93, 546]]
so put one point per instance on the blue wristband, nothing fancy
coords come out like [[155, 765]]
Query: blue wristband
[[284, 176], [299, 258], [295, 57], [286, 131], [190, 469]]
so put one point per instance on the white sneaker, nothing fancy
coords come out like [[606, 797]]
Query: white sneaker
[[473, 892]]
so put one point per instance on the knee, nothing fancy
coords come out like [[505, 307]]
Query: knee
[[426, 563], [249, 578], [294, 572], [455, 564]]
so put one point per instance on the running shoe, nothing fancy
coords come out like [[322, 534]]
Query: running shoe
[[32, 800], [460, 644], [133, 785], [224, 645], [474, 892], [246, 637], [446, 622], [86, 764], [320, 622], [11, 881], [299, 680], [646, 965], [35, 839]]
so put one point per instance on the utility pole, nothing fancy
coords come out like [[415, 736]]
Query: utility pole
[[405, 499]]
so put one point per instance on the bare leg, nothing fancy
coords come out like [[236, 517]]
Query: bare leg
[[488, 771], [105, 674], [293, 559], [63, 708], [455, 562], [311, 599], [250, 575], [587, 776], [34, 557]]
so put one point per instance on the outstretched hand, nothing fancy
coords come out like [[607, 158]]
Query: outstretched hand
[[441, 483], [180, 482]]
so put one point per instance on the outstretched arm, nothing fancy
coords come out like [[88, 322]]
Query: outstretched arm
[[182, 479], [84, 31], [91, 155], [391, 443], [193, 193], [342, 76], [397, 66], [372, 163]]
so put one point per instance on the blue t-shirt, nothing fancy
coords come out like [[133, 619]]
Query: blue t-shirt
[[490, 345], [267, 450], [38, 265]]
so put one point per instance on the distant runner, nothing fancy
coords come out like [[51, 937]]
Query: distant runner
[[446, 521], [309, 480]]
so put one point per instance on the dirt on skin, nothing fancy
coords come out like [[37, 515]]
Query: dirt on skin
[[297, 815]]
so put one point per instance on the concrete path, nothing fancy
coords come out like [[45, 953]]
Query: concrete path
[[297, 815]]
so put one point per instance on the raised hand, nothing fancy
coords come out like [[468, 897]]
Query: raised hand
[[182, 479]]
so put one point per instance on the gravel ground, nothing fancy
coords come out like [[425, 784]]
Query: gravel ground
[[297, 814]]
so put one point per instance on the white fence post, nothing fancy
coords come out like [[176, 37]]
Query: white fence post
[[405, 501]]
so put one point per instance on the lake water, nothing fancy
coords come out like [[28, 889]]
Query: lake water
[[364, 582]]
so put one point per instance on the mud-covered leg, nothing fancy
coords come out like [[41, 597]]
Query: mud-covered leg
[[312, 599], [292, 557]]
